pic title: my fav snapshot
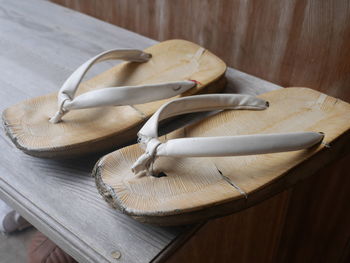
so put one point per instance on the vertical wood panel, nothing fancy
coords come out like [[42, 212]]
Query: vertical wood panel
[[289, 42], [249, 236], [316, 227]]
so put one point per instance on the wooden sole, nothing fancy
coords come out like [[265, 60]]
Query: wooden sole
[[99, 129], [195, 189]]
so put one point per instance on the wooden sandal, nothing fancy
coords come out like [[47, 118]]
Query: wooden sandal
[[87, 120], [166, 184]]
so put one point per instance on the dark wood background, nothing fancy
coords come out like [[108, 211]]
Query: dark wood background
[[288, 42]]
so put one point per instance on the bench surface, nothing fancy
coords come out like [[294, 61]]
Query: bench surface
[[41, 44]]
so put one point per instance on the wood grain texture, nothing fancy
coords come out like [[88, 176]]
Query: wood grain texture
[[308, 223], [41, 44], [102, 128], [289, 42], [252, 235], [292, 43], [322, 222], [195, 189]]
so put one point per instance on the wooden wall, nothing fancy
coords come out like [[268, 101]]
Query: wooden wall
[[288, 42]]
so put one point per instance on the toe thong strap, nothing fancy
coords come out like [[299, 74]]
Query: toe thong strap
[[114, 96], [214, 146]]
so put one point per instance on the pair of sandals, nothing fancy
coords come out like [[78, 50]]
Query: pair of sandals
[[163, 182]]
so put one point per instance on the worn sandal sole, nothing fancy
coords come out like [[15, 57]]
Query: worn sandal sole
[[196, 189], [99, 129]]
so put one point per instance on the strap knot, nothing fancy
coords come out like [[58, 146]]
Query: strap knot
[[144, 164], [59, 114]]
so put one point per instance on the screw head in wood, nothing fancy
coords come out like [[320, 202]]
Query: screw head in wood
[[116, 254]]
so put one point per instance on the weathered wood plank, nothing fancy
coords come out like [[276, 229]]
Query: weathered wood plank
[[41, 43]]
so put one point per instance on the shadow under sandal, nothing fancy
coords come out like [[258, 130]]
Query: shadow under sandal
[[86, 120], [245, 156]]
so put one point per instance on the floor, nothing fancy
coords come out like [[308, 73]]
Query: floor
[[13, 248]]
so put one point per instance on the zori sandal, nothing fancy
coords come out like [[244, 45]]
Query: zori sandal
[[87, 120], [245, 156]]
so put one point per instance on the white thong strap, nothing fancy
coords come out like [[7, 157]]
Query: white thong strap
[[214, 146], [114, 96]]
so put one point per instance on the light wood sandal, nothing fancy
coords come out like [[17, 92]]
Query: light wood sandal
[[87, 120], [245, 156]]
